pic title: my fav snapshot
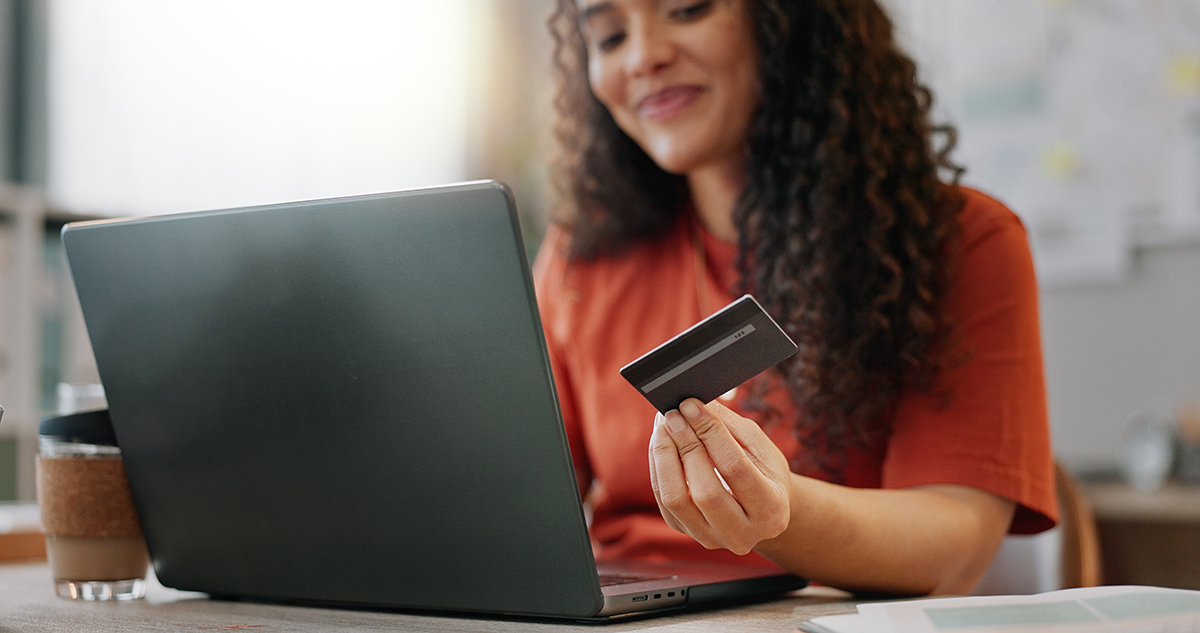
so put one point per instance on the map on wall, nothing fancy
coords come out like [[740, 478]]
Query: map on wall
[[1082, 115]]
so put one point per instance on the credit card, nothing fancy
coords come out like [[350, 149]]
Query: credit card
[[713, 356]]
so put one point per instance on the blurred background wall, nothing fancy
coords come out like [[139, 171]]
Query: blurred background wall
[[1083, 115], [138, 107]]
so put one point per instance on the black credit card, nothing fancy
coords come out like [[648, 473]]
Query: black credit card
[[713, 356]]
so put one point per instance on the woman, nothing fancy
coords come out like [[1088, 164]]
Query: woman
[[783, 148]]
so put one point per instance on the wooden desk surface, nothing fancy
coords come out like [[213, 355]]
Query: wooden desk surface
[[28, 604]]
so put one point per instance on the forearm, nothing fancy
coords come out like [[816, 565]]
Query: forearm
[[936, 539]]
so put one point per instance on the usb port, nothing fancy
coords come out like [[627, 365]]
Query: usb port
[[641, 598]]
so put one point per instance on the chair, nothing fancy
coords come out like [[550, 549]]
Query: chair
[[1064, 557], [1080, 554]]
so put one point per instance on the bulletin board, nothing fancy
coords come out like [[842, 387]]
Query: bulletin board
[[1082, 115]]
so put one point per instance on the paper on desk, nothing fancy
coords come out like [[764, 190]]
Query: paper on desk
[[1129, 609]]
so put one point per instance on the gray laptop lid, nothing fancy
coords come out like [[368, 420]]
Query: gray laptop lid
[[307, 399]]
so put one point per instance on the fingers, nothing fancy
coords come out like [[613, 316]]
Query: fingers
[[710, 511], [676, 488], [744, 504], [706, 490], [759, 447], [709, 434], [766, 496], [741, 452], [672, 484]]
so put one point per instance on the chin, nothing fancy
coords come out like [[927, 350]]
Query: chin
[[673, 163], [682, 158]]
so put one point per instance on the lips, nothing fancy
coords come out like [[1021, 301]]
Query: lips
[[666, 103]]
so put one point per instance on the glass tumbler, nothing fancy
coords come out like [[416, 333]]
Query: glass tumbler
[[93, 537]]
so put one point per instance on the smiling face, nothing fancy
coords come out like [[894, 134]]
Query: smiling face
[[680, 77]]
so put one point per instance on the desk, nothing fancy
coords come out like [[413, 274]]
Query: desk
[[1148, 538], [28, 604]]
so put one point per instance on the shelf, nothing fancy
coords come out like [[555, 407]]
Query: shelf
[[1118, 501], [22, 256], [1147, 538]]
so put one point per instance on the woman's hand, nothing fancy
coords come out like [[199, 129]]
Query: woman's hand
[[917, 540], [748, 502]]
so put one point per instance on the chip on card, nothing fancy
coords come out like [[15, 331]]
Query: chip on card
[[713, 356]]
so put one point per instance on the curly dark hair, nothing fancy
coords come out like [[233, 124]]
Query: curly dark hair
[[847, 222]]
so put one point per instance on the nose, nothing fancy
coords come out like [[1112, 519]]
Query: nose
[[650, 49]]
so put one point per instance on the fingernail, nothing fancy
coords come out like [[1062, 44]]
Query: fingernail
[[658, 419], [675, 422], [689, 410]]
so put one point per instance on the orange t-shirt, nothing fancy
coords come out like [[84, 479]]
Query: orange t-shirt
[[991, 433]]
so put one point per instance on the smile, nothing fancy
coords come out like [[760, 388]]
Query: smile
[[668, 102]]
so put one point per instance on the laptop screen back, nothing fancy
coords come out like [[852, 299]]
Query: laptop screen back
[[344, 400]]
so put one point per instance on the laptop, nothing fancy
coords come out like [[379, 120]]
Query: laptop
[[350, 401]]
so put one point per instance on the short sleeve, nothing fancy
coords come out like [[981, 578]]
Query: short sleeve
[[550, 272], [984, 422]]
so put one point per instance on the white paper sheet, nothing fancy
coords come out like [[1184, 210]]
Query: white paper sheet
[[1128, 609]]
